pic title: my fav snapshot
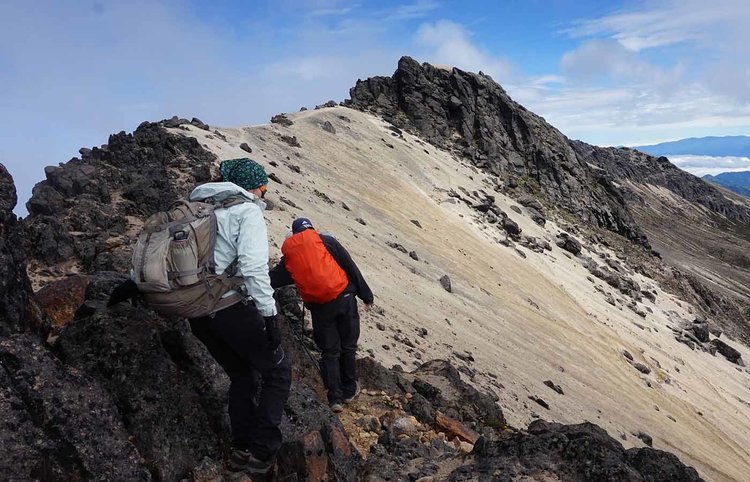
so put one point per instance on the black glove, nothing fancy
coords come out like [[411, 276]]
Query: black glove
[[272, 332], [126, 290]]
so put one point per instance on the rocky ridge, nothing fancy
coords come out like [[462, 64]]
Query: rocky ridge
[[472, 114], [626, 164]]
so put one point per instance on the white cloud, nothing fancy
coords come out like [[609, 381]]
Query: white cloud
[[607, 59], [61, 90], [410, 11], [449, 43], [714, 35], [702, 165], [622, 84], [664, 23]]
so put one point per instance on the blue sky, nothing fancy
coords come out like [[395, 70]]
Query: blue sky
[[609, 73]]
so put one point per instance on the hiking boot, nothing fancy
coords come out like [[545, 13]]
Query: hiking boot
[[357, 389], [337, 407], [244, 461]]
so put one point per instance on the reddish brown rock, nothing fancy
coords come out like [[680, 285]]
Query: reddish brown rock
[[339, 442], [316, 459], [454, 428], [60, 300]]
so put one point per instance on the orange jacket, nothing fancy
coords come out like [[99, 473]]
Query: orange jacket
[[318, 277]]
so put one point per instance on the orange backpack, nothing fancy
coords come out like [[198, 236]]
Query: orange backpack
[[318, 277]]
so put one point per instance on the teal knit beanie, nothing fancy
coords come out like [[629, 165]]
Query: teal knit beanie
[[244, 172]]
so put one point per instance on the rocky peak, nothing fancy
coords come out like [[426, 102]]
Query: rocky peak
[[471, 114]]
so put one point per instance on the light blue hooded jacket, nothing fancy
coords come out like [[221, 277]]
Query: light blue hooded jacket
[[242, 234]]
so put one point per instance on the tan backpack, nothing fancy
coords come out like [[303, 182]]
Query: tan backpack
[[173, 261]]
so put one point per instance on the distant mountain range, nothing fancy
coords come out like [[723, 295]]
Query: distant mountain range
[[701, 146], [738, 182]]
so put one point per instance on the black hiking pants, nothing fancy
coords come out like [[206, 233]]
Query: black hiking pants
[[336, 332], [236, 338]]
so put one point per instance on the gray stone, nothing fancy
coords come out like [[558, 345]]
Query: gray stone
[[328, 127], [445, 282], [511, 227]]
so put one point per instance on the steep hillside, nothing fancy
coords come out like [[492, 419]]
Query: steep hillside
[[524, 313], [697, 227], [603, 187]]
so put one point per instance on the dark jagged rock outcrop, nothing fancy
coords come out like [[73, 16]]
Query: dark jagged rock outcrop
[[87, 206], [472, 114], [582, 452], [168, 391], [17, 313]]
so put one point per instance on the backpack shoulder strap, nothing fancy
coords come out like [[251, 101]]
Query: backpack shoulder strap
[[233, 201]]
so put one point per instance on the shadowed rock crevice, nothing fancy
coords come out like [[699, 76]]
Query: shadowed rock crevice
[[17, 313]]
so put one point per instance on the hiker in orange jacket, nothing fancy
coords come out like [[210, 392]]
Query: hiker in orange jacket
[[329, 282]]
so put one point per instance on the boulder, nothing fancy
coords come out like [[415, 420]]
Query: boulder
[[729, 353], [328, 127], [537, 217], [445, 282], [454, 428], [511, 227], [701, 332], [569, 244], [61, 299], [554, 386], [199, 124], [282, 119], [530, 202]]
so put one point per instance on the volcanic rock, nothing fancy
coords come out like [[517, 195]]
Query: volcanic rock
[[730, 353], [282, 119], [511, 227], [15, 288], [61, 299], [569, 243], [328, 127], [445, 282]]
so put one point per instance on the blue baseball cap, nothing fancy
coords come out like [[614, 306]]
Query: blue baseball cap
[[300, 224]]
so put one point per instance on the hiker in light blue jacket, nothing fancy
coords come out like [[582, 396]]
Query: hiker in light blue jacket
[[244, 338]]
